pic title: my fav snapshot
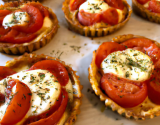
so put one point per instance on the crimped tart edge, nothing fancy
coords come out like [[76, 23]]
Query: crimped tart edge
[[77, 95], [94, 32], [94, 78], [10, 48], [144, 12]]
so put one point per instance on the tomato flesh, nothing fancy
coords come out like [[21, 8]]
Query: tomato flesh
[[5, 71], [110, 16], [55, 67], [55, 117], [105, 49], [154, 6], [19, 105], [124, 92], [3, 13], [116, 4], [88, 19], [142, 1]]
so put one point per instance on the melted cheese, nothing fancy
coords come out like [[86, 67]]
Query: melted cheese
[[16, 19], [98, 6], [130, 64], [39, 81]]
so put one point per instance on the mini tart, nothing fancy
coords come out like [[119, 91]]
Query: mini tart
[[40, 41], [144, 12], [146, 109], [27, 60], [92, 31]]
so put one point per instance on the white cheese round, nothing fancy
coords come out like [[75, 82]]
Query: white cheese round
[[130, 64], [16, 19]]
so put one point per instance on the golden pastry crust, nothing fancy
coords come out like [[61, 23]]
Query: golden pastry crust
[[29, 59], [93, 31], [146, 109], [144, 12], [35, 44]]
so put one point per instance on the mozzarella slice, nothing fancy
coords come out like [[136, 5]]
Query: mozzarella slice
[[16, 19], [130, 64]]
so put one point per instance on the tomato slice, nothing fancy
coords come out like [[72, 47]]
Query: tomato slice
[[46, 113], [88, 19], [142, 1], [154, 6], [110, 16], [74, 4], [55, 67], [35, 22], [42, 9], [19, 105], [115, 3], [105, 49], [146, 45], [124, 92], [154, 87], [9, 87], [3, 13], [55, 117], [5, 71]]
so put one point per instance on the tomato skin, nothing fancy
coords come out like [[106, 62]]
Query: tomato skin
[[5, 71], [88, 19], [154, 6], [105, 49], [142, 1], [110, 16], [74, 4], [3, 13], [123, 97], [55, 117], [35, 22], [55, 67], [116, 4], [146, 46], [18, 106], [154, 86]]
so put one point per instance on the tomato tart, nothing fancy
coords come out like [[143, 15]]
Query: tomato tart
[[38, 90], [96, 18], [125, 74], [25, 26], [148, 9]]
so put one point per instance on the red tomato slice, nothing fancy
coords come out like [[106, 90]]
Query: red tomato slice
[[148, 47], [35, 22], [142, 1], [105, 49], [110, 16], [3, 13], [55, 67], [46, 113], [5, 71], [42, 9], [74, 4], [154, 6], [124, 92], [154, 87], [88, 19], [115, 3], [55, 117], [19, 105], [14, 36]]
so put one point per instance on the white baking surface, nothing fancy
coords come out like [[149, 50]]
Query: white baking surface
[[77, 50]]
